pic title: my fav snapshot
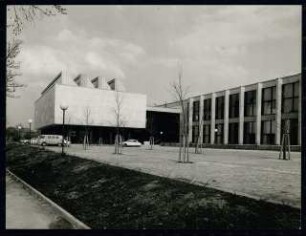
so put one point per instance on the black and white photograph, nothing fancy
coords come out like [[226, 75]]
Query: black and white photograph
[[153, 117]]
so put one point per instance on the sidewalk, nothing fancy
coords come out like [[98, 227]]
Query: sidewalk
[[251, 173], [24, 211]]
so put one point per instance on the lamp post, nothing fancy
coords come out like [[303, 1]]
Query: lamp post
[[161, 136], [19, 128], [30, 124], [63, 107]]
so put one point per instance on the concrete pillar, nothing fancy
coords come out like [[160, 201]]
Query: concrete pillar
[[190, 119], [300, 114], [201, 118], [226, 113], [241, 114], [258, 112], [213, 115], [278, 115]]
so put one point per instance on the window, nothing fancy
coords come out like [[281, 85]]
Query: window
[[220, 107], [196, 109], [249, 133], [293, 130], [207, 109], [234, 105], [268, 101], [206, 133], [290, 97], [219, 133], [250, 103], [195, 133], [268, 132], [233, 133]]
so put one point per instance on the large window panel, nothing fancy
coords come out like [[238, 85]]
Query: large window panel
[[269, 101], [290, 97], [234, 106], [220, 107], [206, 133], [196, 110], [207, 109], [250, 103]]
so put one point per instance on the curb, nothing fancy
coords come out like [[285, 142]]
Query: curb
[[77, 224]]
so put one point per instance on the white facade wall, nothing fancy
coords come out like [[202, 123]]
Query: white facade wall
[[100, 103]]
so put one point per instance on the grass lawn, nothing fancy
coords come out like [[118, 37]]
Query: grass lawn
[[104, 196]]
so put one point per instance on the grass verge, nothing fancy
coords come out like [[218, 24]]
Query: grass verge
[[104, 196]]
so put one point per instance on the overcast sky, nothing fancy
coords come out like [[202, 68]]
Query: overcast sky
[[218, 47]]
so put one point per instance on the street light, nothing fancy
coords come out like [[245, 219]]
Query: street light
[[63, 107], [161, 137], [19, 128], [30, 123]]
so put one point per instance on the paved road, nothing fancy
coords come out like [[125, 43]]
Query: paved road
[[23, 211], [258, 174]]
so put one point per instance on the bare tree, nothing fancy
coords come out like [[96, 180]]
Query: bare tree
[[119, 121], [18, 16], [180, 92], [198, 146], [151, 130], [87, 113], [13, 66]]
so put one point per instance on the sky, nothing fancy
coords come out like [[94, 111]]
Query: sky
[[216, 47]]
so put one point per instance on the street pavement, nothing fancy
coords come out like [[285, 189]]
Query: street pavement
[[251, 173], [23, 211]]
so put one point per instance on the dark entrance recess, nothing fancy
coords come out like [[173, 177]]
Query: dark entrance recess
[[163, 126]]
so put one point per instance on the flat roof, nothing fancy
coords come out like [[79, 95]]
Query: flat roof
[[164, 109]]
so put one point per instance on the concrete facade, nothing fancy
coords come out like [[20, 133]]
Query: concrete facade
[[100, 103], [93, 107], [263, 107], [277, 115]]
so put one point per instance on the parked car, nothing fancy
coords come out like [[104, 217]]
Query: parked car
[[25, 141], [131, 143], [51, 139]]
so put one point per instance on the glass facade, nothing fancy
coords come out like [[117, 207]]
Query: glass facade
[[233, 133], [290, 98], [268, 128], [268, 106], [249, 132], [220, 107], [206, 133], [219, 133], [234, 105], [250, 103], [207, 109], [293, 130], [195, 133], [196, 111]]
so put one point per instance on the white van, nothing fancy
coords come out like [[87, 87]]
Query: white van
[[52, 139]]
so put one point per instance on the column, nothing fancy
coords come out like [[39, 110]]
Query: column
[[226, 108], [278, 115], [300, 113], [258, 112], [241, 114], [190, 105], [213, 115], [201, 118]]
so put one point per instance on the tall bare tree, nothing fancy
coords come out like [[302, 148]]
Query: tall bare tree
[[181, 93], [119, 121], [18, 17], [87, 113]]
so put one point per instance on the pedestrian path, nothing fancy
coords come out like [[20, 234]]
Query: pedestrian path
[[24, 211]]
